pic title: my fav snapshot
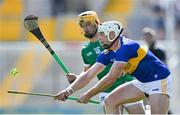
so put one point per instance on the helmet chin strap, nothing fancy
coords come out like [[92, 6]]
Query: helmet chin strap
[[108, 47]]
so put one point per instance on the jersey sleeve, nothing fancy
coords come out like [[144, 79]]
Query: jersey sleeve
[[124, 53], [102, 59]]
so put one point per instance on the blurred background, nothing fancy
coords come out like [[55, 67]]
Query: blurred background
[[39, 72]]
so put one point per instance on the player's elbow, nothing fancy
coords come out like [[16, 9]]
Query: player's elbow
[[113, 77]]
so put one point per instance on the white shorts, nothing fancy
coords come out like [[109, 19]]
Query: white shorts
[[102, 96], [163, 86]]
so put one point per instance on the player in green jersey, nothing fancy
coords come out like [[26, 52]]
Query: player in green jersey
[[88, 22]]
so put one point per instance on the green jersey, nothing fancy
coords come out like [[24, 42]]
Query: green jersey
[[89, 54]]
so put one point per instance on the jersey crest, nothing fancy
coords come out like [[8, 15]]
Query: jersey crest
[[97, 50]]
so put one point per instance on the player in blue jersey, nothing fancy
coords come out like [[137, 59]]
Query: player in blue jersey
[[129, 57]]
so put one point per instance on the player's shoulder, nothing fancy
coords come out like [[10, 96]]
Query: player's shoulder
[[107, 54], [127, 44], [85, 46], [103, 53]]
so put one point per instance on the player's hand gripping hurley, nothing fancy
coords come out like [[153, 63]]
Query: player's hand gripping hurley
[[48, 95], [31, 24]]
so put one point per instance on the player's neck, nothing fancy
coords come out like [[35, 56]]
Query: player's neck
[[94, 39]]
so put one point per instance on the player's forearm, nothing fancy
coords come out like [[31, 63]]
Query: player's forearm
[[85, 77], [82, 80], [102, 85], [106, 81]]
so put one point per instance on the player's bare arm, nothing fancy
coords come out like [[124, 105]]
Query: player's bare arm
[[72, 77], [116, 70], [82, 80], [86, 67]]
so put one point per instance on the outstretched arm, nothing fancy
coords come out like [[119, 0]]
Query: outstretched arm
[[82, 80], [116, 70], [85, 77]]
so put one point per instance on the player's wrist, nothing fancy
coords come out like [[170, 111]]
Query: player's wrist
[[70, 90]]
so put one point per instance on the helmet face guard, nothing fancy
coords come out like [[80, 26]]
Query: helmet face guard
[[108, 27], [88, 16]]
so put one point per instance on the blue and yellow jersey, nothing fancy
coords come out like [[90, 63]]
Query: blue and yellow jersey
[[141, 63]]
